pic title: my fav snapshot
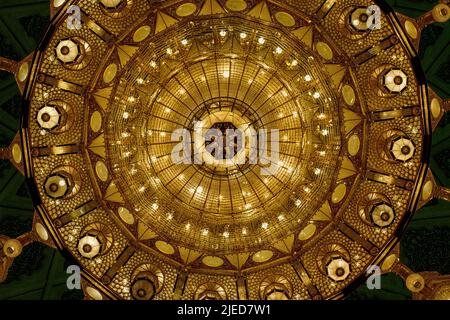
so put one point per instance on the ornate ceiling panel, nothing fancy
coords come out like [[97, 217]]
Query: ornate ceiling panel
[[345, 104]]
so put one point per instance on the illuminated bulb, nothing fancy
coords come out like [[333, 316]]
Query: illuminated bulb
[[261, 40], [295, 114], [284, 93], [243, 35], [294, 63], [278, 50], [205, 232], [298, 202], [169, 216], [184, 42], [264, 225], [244, 231], [188, 226], [308, 78], [140, 81], [280, 217], [126, 115], [248, 206], [325, 132], [317, 171], [169, 51], [322, 153], [226, 234], [155, 206], [321, 116], [142, 189], [223, 33], [226, 74], [163, 134], [316, 95], [199, 189]]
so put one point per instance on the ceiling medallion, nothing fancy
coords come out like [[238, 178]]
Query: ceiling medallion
[[344, 105]]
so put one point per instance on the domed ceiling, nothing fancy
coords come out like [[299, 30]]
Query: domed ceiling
[[340, 95]]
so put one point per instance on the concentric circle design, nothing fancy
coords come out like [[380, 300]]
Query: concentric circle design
[[339, 126], [233, 81]]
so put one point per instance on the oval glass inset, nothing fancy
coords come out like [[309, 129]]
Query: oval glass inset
[[262, 256], [101, 170], [58, 3], [339, 193], [324, 50], [285, 19], [142, 33], [110, 73], [96, 121], [307, 232], [16, 153], [125, 215], [349, 95], [411, 29], [186, 9], [23, 72], [236, 5], [435, 108], [94, 293], [164, 247], [41, 231], [353, 145], [427, 190], [212, 261], [389, 262]]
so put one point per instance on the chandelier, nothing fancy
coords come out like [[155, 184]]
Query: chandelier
[[335, 86]]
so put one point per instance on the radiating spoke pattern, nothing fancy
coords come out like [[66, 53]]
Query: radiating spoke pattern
[[225, 75]]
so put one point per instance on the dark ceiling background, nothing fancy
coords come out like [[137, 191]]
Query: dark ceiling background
[[39, 273]]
